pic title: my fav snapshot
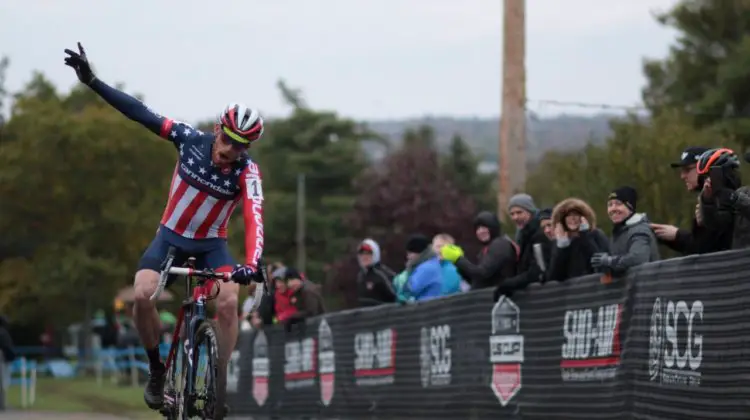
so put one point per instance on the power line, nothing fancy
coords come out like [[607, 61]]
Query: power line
[[588, 105]]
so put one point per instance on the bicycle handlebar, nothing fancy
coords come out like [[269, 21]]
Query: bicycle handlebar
[[208, 274]]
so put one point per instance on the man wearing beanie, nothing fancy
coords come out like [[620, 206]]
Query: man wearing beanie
[[525, 215], [422, 279], [633, 243], [496, 261], [699, 239]]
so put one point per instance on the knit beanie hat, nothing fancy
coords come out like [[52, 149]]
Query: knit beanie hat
[[627, 195], [545, 214], [417, 243], [523, 201]]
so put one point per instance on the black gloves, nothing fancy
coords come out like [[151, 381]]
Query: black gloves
[[79, 63]]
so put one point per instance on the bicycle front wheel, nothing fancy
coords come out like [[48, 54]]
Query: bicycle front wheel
[[210, 382]]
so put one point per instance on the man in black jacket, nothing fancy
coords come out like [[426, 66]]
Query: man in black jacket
[[529, 234], [496, 261], [699, 239]]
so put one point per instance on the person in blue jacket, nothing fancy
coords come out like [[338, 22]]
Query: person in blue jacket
[[425, 279], [451, 279]]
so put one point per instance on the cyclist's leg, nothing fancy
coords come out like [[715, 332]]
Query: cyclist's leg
[[146, 316], [220, 259]]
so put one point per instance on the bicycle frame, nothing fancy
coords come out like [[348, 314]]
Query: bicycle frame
[[192, 313]]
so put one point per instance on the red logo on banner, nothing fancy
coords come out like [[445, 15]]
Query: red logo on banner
[[326, 388], [261, 368], [326, 362], [506, 382], [260, 390], [506, 350]]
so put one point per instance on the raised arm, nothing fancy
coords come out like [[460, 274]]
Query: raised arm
[[251, 187], [133, 108], [126, 104]]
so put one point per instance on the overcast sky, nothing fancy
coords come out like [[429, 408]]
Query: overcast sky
[[369, 59]]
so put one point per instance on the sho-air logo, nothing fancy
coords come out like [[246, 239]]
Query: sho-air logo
[[261, 368], [300, 363], [591, 345], [326, 362], [435, 355], [375, 357], [675, 347], [506, 350]]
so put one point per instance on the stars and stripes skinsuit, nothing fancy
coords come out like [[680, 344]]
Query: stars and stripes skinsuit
[[202, 196]]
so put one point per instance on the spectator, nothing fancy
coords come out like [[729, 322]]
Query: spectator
[[451, 279], [727, 205], [699, 239], [6, 343], [422, 279], [545, 220], [496, 260], [304, 296], [525, 215], [577, 239], [633, 243], [530, 236], [374, 280]]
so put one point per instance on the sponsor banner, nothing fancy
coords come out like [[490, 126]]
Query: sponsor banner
[[669, 340]]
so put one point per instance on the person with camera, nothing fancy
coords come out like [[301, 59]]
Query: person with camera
[[699, 239], [724, 202]]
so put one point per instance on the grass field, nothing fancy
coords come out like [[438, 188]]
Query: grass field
[[84, 395]]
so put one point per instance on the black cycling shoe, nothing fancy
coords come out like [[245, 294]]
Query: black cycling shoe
[[154, 392]]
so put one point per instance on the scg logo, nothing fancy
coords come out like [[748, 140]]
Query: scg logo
[[675, 347], [692, 354]]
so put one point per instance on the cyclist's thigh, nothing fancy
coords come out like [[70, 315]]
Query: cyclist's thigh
[[152, 259]]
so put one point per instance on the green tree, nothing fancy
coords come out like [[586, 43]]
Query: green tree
[[705, 73], [638, 154], [463, 165], [82, 190]]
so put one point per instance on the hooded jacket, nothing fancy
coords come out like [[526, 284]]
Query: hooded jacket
[[374, 282], [573, 259], [496, 260], [634, 243]]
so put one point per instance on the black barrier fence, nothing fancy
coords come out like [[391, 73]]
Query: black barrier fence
[[669, 341]]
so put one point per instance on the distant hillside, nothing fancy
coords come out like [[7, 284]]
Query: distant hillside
[[566, 132]]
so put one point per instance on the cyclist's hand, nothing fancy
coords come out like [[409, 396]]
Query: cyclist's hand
[[79, 63], [243, 274]]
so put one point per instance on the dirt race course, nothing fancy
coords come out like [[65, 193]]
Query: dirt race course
[[57, 416]]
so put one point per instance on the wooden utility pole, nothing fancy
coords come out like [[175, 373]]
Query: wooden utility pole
[[301, 225], [512, 146]]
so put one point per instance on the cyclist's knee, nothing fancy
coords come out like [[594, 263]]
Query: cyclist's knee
[[227, 300], [145, 285]]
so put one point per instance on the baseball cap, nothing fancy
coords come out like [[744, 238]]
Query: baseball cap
[[689, 156]]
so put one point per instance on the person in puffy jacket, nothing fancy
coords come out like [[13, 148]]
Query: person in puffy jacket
[[577, 239], [496, 261], [633, 243], [424, 278], [451, 279]]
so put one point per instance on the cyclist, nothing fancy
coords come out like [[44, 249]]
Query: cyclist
[[213, 174]]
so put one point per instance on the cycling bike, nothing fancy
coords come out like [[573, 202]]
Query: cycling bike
[[195, 386]]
